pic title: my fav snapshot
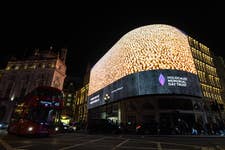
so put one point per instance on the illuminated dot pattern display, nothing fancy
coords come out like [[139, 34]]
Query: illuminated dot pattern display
[[149, 47]]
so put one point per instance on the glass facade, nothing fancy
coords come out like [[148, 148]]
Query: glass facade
[[136, 75], [206, 70], [151, 47], [81, 104]]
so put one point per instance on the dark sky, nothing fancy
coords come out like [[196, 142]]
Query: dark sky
[[89, 31]]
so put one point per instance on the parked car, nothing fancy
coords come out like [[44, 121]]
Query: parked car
[[3, 125], [74, 126], [71, 127]]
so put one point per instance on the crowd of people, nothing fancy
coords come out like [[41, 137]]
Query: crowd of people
[[181, 127], [210, 128]]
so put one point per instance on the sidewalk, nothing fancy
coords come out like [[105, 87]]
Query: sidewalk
[[148, 135], [193, 136]]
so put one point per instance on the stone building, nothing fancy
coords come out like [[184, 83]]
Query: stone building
[[42, 68]]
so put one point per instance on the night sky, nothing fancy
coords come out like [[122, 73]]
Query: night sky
[[89, 32]]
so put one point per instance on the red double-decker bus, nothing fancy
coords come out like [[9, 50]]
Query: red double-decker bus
[[39, 113]]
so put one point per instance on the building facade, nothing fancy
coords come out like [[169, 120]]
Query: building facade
[[42, 68], [220, 67], [69, 100], [1, 73], [81, 111], [21, 76], [152, 74], [81, 104], [208, 74]]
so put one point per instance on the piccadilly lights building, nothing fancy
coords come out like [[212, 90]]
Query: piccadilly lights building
[[153, 73]]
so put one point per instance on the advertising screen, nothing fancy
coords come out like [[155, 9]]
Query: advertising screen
[[153, 59], [148, 83]]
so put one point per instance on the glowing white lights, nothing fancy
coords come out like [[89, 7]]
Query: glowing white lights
[[12, 98], [56, 128], [30, 129], [150, 47]]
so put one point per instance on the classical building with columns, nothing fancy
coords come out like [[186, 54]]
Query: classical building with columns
[[42, 68]]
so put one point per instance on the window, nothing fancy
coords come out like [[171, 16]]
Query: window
[[52, 65], [8, 68], [43, 66], [17, 67], [25, 66]]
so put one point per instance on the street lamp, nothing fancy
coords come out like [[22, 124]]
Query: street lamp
[[106, 99]]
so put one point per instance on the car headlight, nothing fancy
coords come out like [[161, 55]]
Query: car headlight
[[30, 129], [56, 128]]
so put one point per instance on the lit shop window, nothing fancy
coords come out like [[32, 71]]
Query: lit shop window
[[32, 66], [17, 67], [52, 65], [25, 66], [8, 68], [43, 66]]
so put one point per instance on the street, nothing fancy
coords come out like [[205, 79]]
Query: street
[[83, 141]]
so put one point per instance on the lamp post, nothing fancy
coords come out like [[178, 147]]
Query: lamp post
[[106, 99]]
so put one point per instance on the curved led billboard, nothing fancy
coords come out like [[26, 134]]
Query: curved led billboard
[[147, 49]]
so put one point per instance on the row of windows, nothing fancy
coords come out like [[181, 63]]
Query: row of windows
[[25, 78], [204, 48], [210, 89], [82, 113], [201, 76], [82, 110], [30, 66], [211, 80], [194, 43], [205, 67], [203, 57], [81, 98], [214, 80], [213, 96]]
